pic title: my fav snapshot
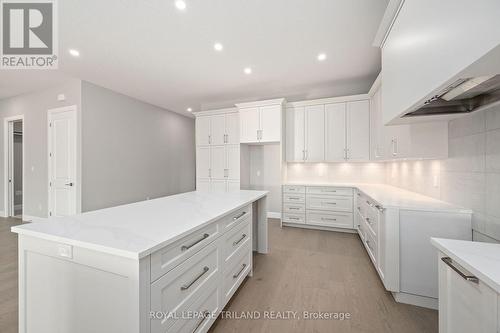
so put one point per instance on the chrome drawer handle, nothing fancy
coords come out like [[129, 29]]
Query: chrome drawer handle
[[187, 247], [380, 208], [239, 216], [205, 315], [328, 219], [293, 198], [460, 270], [294, 218], [240, 271], [239, 240], [294, 208], [369, 203], [334, 191], [187, 286], [330, 203], [368, 220], [368, 244]]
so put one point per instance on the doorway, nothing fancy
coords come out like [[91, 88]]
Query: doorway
[[14, 166]]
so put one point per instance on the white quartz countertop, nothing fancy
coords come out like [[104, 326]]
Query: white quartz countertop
[[390, 196], [481, 259], [136, 230]]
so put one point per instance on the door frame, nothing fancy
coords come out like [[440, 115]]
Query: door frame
[[6, 159], [78, 180]]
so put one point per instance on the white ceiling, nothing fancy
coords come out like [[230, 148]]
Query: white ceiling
[[150, 50]]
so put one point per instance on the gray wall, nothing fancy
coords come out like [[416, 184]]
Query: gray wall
[[34, 107], [132, 150]]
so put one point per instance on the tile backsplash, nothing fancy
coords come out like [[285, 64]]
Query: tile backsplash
[[336, 172]]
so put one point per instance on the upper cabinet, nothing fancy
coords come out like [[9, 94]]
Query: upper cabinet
[[260, 122], [217, 129], [432, 44]]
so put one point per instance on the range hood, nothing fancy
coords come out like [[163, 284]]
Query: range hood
[[463, 96]]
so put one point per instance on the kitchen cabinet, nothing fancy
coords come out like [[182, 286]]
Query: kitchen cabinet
[[315, 133], [295, 134], [358, 131], [335, 131], [217, 129], [260, 122]]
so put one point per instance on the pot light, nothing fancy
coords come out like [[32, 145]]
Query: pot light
[[321, 56], [247, 70], [189, 110], [74, 53], [218, 47], [180, 4]]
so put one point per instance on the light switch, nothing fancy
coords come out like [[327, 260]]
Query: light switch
[[435, 181], [65, 251], [61, 97]]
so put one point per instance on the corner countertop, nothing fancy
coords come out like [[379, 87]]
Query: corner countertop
[[138, 229], [394, 197], [481, 259]]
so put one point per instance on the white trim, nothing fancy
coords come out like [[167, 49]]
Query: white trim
[[423, 301], [390, 14], [6, 122], [30, 218], [318, 227], [268, 102], [329, 100], [215, 112], [18, 206], [376, 84], [78, 165], [273, 215]]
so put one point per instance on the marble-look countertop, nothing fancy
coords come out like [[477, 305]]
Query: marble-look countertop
[[394, 197], [138, 229], [481, 259]]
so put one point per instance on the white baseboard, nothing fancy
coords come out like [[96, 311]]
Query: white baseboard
[[2, 213], [29, 218], [318, 227], [423, 301], [274, 215]]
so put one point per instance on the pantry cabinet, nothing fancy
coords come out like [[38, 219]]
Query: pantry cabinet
[[217, 129], [260, 122]]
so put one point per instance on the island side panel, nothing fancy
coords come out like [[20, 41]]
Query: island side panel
[[64, 288], [262, 225]]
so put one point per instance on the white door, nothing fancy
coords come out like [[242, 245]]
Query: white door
[[315, 133], [376, 130], [295, 136], [218, 185], [232, 128], [249, 125], [203, 162], [203, 185], [270, 123], [217, 162], [335, 132], [233, 185], [62, 162], [203, 131], [233, 162], [217, 129], [358, 130]]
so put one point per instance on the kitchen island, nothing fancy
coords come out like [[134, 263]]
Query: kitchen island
[[164, 265]]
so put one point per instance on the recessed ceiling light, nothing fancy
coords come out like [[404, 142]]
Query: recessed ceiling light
[[218, 47], [180, 4], [74, 53], [247, 70], [189, 110], [321, 56]]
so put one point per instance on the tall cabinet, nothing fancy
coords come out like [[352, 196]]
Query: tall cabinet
[[217, 150]]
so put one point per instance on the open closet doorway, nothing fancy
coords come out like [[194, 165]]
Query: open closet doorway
[[13, 166]]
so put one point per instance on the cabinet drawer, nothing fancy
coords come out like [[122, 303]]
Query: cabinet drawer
[[237, 269], [336, 220], [177, 289], [236, 217], [237, 238], [164, 260], [327, 190], [200, 315], [371, 247], [294, 198], [330, 203], [294, 189], [294, 218], [293, 208], [371, 219]]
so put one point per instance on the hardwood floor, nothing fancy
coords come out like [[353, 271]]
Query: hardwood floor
[[309, 270], [306, 270], [8, 276]]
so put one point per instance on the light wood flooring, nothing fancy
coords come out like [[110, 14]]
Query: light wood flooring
[[306, 270]]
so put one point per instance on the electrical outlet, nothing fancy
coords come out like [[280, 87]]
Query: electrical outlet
[[435, 181]]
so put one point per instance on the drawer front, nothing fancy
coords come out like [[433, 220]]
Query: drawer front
[[294, 218], [336, 220], [371, 247], [294, 189], [293, 208], [237, 238], [331, 203], [371, 218], [237, 269], [327, 190], [177, 289], [200, 315], [164, 260], [236, 217], [294, 198]]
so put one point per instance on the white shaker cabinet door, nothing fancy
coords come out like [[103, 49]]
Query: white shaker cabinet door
[[233, 162], [270, 123], [358, 130], [315, 133], [203, 131], [233, 185], [249, 125], [203, 185], [218, 185], [218, 162], [295, 135], [232, 128], [217, 129], [203, 162], [335, 131]]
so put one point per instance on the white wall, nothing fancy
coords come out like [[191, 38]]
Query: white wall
[[470, 177]]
